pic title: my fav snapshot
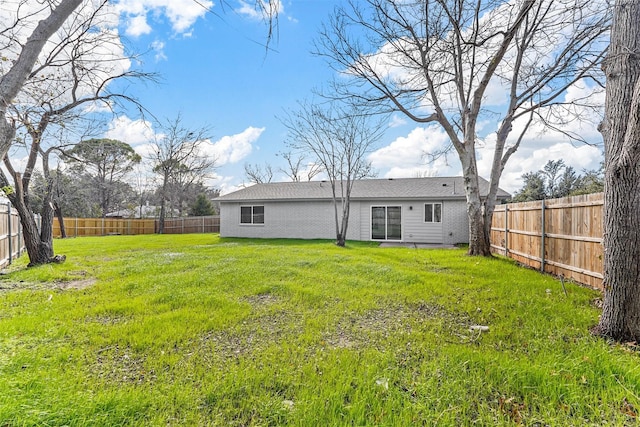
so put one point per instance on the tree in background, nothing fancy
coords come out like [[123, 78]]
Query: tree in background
[[179, 161], [298, 168], [556, 179], [106, 162], [534, 188], [437, 61], [257, 174], [620, 318], [202, 206], [340, 139]]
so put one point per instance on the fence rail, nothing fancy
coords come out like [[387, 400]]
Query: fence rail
[[559, 236], [11, 239], [78, 227]]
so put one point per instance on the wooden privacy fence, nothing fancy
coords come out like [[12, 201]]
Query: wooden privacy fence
[[11, 240], [558, 236], [77, 227]]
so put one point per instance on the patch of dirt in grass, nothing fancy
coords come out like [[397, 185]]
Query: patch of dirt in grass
[[374, 327], [40, 286], [262, 300], [77, 284], [121, 365], [254, 334], [77, 280], [108, 319]]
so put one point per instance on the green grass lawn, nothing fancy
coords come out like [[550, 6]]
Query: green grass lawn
[[198, 330]]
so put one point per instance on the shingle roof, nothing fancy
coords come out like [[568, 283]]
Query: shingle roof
[[394, 188]]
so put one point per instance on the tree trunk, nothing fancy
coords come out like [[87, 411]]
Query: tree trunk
[[479, 244], [58, 211], [39, 251], [621, 130], [46, 228], [38, 241], [161, 218]]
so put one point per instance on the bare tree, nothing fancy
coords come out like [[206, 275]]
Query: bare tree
[[621, 130], [12, 81], [257, 174], [435, 61], [178, 158], [298, 168], [340, 140]]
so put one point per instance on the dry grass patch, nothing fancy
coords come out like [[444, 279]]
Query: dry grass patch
[[254, 334], [121, 365], [375, 327]]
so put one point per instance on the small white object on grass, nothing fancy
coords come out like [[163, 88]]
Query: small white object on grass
[[480, 328], [383, 382]]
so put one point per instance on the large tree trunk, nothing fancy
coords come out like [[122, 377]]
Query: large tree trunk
[[621, 130], [479, 243], [39, 242]]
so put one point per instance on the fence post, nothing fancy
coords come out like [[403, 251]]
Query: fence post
[[203, 225], [9, 232], [182, 225], [20, 242], [506, 230], [542, 233]]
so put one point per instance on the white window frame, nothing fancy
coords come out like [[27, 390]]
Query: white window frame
[[253, 215], [432, 206], [386, 207]]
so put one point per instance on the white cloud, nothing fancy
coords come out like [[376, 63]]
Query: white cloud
[[226, 184], [233, 148], [137, 25], [133, 132], [409, 156], [583, 157], [263, 9], [182, 14], [158, 48], [397, 121]]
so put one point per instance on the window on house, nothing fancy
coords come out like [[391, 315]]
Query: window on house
[[433, 212], [251, 214]]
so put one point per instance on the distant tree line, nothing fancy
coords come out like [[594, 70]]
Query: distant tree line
[[556, 179], [99, 180]]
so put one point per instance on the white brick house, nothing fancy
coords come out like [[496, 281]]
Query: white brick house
[[417, 210]]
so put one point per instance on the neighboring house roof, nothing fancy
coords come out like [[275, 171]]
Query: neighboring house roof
[[392, 188], [145, 211]]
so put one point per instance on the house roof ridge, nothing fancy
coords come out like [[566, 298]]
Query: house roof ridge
[[377, 188]]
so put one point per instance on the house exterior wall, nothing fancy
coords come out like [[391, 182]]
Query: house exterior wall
[[454, 227], [307, 219], [455, 222], [312, 219]]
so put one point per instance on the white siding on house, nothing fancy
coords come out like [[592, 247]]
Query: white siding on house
[[454, 227], [291, 219], [309, 219], [455, 222]]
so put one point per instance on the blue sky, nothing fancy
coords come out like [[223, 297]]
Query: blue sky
[[215, 71], [220, 74]]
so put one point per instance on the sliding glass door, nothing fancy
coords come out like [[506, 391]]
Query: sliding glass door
[[386, 223]]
